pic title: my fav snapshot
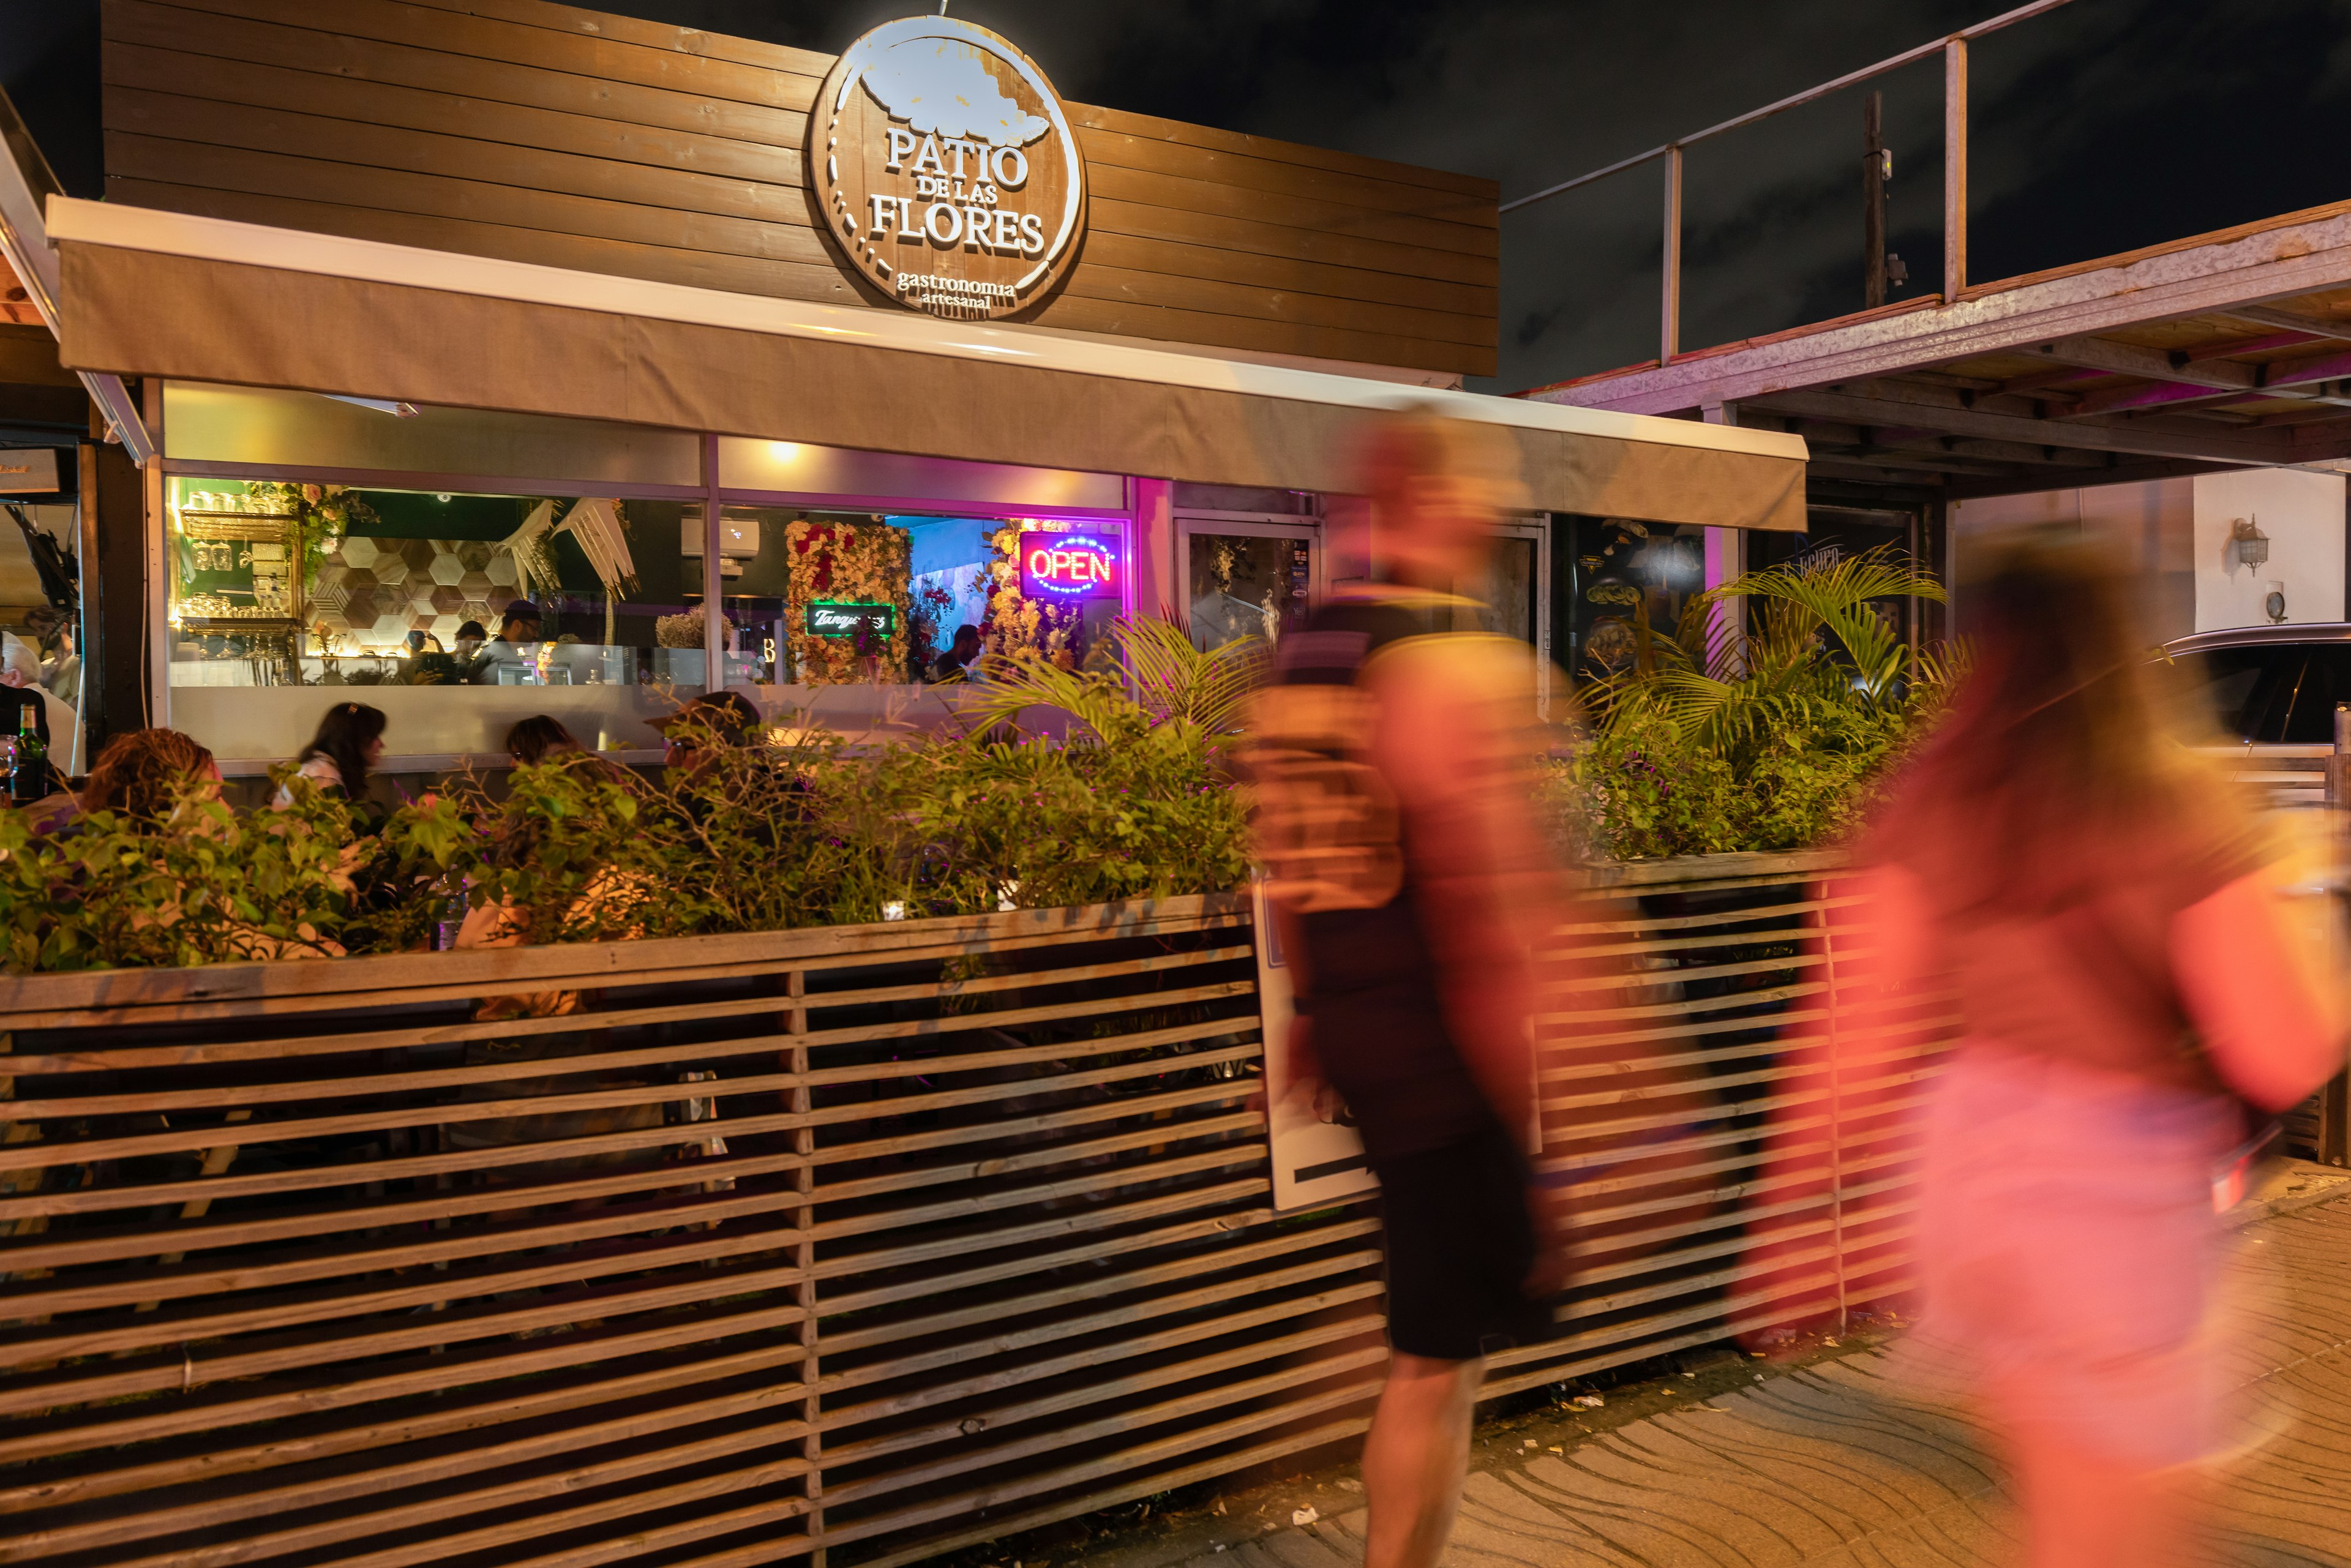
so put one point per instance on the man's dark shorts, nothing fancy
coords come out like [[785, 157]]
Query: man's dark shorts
[[1460, 1242]]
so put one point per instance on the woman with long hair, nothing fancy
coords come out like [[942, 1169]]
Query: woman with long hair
[[349, 743], [2140, 967]]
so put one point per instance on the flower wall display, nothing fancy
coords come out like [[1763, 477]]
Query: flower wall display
[[850, 563], [1017, 625], [932, 602]]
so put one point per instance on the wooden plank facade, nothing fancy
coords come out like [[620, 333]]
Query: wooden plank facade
[[545, 133], [855, 1245]]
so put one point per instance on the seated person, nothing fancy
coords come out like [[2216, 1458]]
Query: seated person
[[535, 739], [470, 638], [515, 645], [54, 719], [146, 771], [714, 718], [955, 662], [63, 666], [349, 743]]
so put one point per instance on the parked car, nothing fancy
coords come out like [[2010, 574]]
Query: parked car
[[2271, 685]]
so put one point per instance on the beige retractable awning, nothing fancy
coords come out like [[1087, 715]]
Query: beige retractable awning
[[153, 293]]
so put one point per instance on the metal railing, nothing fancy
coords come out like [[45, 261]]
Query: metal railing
[[1952, 46]]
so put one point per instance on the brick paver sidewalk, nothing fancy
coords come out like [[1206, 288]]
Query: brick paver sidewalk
[[1826, 1467]]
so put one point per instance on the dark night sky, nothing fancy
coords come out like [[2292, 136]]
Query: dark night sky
[[2106, 125]]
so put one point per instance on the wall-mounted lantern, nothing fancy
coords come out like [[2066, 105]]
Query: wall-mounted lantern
[[2248, 546]]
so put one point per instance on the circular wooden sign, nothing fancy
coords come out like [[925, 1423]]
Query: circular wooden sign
[[945, 169]]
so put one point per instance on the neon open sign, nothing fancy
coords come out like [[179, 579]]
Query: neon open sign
[[1067, 566]]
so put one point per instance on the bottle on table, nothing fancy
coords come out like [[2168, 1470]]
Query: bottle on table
[[28, 768]]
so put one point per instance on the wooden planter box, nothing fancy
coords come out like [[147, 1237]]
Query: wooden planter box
[[872, 1240]]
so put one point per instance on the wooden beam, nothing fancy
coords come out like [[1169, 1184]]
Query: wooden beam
[[2252, 447], [2218, 275], [2120, 474], [1928, 461], [1870, 474], [1818, 432], [2105, 355], [2146, 395], [2047, 386], [2292, 322]]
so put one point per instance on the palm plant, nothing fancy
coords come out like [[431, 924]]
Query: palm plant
[[1817, 641], [1197, 697], [1765, 738]]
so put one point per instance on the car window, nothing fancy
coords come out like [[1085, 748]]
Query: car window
[[2248, 692], [2325, 681]]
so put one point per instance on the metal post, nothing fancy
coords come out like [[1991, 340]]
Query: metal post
[[713, 588], [1669, 324], [1873, 201], [1955, 169]]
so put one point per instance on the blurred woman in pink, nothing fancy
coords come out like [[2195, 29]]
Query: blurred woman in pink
[[2142, 969]]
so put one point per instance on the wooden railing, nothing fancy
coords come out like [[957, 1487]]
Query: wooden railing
[[860, 1243]]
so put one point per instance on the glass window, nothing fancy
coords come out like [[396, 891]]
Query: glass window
[[824, 608], [462, 612], [2274, 694], [1624, 577], [1245, 584]]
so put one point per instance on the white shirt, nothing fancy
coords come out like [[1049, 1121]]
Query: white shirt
[[320, 770]]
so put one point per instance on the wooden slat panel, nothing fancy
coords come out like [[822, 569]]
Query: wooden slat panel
[[238, 103], [1217, 239], [1121, 318], [184, 139], [1146, 127], [653, 34], [1249, 171], [271, 47], [465, 32], [1037, 1254], [1148, 188], [1214, 296], [1110, 247], [158, 995]]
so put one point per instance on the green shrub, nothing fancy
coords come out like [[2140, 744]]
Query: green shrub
[[204, 887], [1133, 803], [1716, 742]]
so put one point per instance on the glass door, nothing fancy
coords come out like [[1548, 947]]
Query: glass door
[[1516, 592], [1246, 579]]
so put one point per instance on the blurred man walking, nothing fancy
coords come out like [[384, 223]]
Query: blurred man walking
[[1410, 879]]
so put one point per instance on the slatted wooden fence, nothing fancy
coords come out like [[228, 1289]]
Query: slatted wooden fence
[[861, 1243]]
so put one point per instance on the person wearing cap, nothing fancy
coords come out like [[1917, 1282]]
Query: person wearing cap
[[54, 719], [519, 631]]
